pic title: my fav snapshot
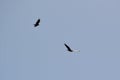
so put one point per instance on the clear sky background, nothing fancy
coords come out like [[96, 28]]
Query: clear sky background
[[29, 53]]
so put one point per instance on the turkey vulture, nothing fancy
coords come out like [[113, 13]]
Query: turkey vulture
[[69, 49], [37, 23]]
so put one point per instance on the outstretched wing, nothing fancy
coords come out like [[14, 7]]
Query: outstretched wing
[[69, 49], [37, 23]]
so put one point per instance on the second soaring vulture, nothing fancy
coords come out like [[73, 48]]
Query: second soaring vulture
[[69, 49]]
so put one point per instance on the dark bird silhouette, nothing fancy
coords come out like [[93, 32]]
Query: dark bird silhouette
[[69, 49], [37, 23]]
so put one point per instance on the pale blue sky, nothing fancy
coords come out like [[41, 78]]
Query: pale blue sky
[[29, 53]]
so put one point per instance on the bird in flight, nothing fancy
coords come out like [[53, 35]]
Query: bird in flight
[[69, 49], [37, 23]]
